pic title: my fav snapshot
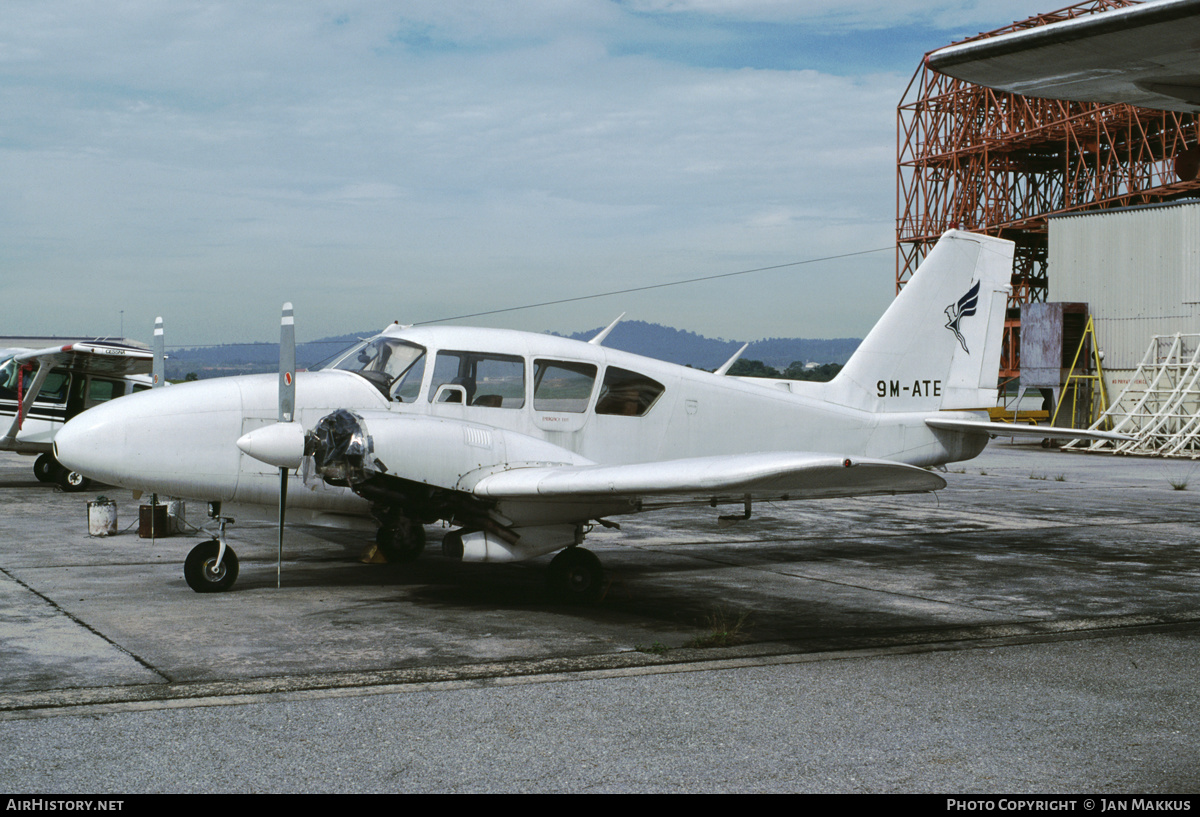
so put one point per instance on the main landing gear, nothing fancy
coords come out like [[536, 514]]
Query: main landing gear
[[212, 566], [576, 576], [401, 540]]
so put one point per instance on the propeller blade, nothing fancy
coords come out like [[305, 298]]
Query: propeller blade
[[283, 486], [287, 411], [287, 365], [160, 355]]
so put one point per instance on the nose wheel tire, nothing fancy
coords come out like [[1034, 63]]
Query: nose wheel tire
[[72, 481], [576, 576], [202, 573]]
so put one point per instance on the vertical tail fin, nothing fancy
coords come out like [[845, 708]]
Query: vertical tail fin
[[938, 344]]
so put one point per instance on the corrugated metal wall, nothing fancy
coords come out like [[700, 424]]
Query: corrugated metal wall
[[1138, 269]]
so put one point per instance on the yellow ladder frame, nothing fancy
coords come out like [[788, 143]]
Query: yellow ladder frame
[[1089, 331]]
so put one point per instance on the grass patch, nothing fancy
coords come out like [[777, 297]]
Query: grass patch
[[1037, 476], [728, 628], [1179, 484], [1061, 478]]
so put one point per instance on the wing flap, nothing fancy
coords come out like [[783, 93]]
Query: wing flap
[[794, 475]]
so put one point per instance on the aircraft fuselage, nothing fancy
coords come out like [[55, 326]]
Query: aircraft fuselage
[[182, 441]]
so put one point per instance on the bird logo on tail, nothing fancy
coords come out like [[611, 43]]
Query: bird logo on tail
[[965, 307]]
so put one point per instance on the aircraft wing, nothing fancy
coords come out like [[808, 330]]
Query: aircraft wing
[[776, 474], [1020, 430], [1142, 55], [92, 357]]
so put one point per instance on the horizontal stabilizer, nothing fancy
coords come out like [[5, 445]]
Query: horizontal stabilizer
[[1017, 430], [796, 475]]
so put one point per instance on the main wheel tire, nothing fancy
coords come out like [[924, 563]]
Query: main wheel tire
[[201, 571], [402, 542], [46, 468], [452, 545], [72, 481], [576, 576]]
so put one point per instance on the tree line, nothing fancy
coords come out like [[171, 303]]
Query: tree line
[[796, 370]]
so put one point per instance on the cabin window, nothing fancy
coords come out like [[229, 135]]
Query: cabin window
[[101, 391], [8, 380], [627, 393], [395, 367], [478, 379], [562, 386], [54, 388]]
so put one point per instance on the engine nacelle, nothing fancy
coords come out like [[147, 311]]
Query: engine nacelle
[[482, 546]]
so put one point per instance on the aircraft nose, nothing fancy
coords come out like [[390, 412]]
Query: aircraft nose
[[178, 440], [89, 444]]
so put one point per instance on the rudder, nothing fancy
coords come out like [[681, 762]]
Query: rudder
[[938, 344]]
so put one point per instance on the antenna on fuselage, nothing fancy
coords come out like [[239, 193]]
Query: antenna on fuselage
[[727, 364], [603, 333]]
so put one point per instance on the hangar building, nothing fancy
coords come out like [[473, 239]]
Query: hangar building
[[1098, 199]]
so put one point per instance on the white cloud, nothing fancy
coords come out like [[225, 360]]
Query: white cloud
[[208, 161]]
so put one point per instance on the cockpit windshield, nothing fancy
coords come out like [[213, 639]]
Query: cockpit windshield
[[395, 367]]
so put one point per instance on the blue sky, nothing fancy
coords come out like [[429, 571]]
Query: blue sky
[[371, 162]]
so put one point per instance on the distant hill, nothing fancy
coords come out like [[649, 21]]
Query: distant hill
[[649, 339], [251, 358], [690, 349]]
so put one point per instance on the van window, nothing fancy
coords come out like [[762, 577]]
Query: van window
[[562, 386], [627, 393]]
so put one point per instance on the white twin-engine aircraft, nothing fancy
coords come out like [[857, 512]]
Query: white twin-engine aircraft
[[520, 441]]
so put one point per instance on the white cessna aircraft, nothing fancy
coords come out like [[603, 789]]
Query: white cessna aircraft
[[42, 388], [520, 441]]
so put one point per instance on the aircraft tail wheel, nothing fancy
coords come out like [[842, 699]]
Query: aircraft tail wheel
[[402, 542], [45, 468], [576, 575], [201, 570], [72, 481]]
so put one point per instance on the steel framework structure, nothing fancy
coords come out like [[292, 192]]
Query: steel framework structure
[[1163, 413], [1000, 164]]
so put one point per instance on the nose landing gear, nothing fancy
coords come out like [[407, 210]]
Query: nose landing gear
[[47, 469], [212, 566]]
